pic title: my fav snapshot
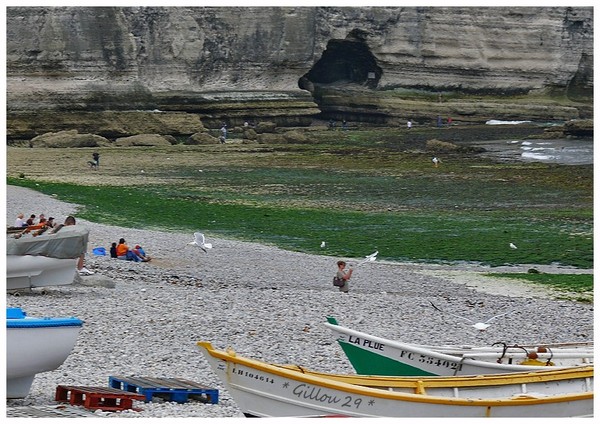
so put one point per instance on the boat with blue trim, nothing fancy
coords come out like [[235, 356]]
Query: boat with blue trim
[[35, 345]]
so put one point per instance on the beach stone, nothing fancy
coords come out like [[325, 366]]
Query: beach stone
[[95, 280]]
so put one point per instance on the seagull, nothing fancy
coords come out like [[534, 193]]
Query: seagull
[[322, 244], [481, 326], [199, 241], [142, 171], [512, 246], [372, 256], [369, 258]]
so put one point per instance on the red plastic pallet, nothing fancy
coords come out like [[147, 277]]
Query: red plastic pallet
[[105, 399]]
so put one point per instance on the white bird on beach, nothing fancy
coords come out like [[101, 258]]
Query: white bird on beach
[[512, 246], [481, 326], [200, 242], [322, 244]]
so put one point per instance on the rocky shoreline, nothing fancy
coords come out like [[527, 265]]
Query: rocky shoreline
[[144, 319]]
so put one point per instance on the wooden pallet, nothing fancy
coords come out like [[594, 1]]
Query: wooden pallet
[[90, 397], [172, 389]]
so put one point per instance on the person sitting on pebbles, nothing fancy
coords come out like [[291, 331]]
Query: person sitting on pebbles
[[125, 253], [141, 253]]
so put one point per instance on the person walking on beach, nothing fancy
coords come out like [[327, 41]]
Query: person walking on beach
[[344, 275], [436, 161], [96, 159]]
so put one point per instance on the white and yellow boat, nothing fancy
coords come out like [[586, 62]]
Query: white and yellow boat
[[268, 390]]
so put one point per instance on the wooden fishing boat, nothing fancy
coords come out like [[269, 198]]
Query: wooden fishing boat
[[49, 259], [35, 345], [268, 390], [374, 355]]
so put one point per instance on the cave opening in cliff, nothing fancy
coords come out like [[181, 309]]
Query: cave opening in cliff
[[344, 61]]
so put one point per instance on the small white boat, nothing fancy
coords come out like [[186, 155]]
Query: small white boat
[[35, 345], [267, 390], [372, 355], [45, 260]]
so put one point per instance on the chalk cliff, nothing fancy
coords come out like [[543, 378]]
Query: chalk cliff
[[288, 64]]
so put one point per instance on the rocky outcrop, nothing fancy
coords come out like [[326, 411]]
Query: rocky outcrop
[[146, 140], [201, 138], [109, 124], [69, 139], [576, 129], [287, 64]]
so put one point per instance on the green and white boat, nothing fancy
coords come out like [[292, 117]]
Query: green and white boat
[[372, 355]]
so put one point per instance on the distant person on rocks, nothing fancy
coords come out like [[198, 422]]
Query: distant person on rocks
[[95, 162], [344, 275], [436, 162], [449, 121], [439, 121], [409, 124], [223, 137]]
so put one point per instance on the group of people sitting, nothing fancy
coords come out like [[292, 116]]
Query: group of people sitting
[[34, 221], [122, 251], [33, 225]]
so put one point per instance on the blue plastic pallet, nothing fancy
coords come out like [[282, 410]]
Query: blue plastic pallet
[[172, 389]]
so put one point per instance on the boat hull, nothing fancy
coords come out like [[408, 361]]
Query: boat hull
[[38, 271], [265, 390], [36, 345], [372, 355]]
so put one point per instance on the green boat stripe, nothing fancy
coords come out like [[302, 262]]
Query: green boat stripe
[[370, 363]]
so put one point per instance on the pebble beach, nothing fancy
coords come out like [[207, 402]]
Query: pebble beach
[[144, 319]]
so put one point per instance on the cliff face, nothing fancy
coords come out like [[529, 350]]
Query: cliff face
[[69, 58]]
